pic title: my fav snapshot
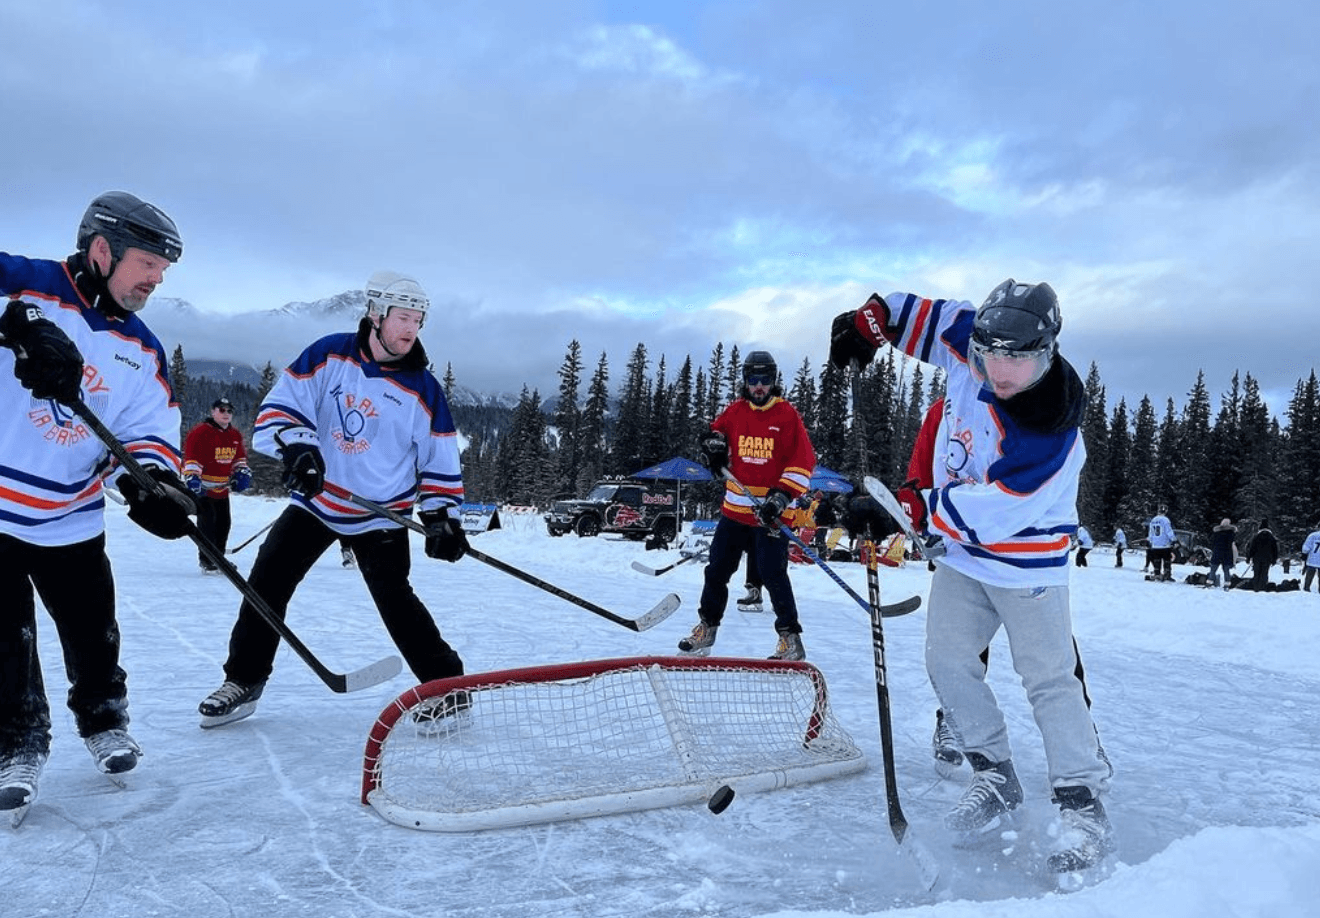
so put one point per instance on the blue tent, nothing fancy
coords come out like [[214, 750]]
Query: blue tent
[[680, 470], [824, 479]]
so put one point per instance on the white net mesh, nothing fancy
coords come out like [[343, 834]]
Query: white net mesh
[[611, 736]]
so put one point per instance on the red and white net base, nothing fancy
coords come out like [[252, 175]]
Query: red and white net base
[[560, 742]]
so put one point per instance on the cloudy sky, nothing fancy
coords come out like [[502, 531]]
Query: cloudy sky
[[683, 173]]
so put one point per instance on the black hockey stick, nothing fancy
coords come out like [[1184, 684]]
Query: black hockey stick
[[655, 616], [928, 869], [366, 677], [250, 539], [898, 608], [641, 568]]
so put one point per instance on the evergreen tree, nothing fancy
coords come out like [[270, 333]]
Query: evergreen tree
[[733, 384], [803, 396], [448, 382], [179, 376], [1299, 497], [269, 376], [831, 438], [1194, 434], [1117, 461], [523, 461], [715, 379], [1225, 456], [630, 441], [1256, 495], [1138, 506], [594, 431], [699, 422], [1095, 434], [568, 421], [680, 436]]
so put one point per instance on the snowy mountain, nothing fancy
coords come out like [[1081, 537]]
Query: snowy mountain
[[236, 346]]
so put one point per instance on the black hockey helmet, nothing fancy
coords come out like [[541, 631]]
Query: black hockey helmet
[[127, 221], [760, 363], [1018, 318]]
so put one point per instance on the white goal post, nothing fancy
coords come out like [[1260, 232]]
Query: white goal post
[[568, 741]]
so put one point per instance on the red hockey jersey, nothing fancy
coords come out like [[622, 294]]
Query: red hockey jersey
[[213, 454], [768, 448]]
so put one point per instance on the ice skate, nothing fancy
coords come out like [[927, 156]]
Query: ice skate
[[1083, 836], [347, 555], [993, 794], [19, 773], [230, 702], [752, 601], [700, 641], [944, 747], [789, 647], [114, 753]]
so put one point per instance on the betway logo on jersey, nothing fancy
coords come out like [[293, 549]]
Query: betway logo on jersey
[[756, 447]]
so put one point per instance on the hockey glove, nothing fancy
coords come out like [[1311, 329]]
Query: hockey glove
[[162, 511], [46, 361], [865, 519], [445, 538], [241, 479], [772, 508], [847, 344], [715, 452], [194, 483], [304, 469], [913, 500]]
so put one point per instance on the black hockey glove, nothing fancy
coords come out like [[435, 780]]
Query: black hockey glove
[[847, 344], [46, 361], [304, 469], [715, 452], [864, 518], [164, 515], [445, 538], [772, 508]]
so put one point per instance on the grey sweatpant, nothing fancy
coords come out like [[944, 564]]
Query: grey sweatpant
[[964, 615]]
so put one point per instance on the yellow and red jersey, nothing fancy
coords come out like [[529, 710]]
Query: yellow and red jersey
[[768, 448]]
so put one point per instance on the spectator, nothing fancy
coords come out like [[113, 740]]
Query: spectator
[[1084, 545], [1120, 546], [1223, 552], [1311, 557], [214, 461], [1262, 552]]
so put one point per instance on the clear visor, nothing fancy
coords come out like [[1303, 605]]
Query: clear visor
[[1009, 372]]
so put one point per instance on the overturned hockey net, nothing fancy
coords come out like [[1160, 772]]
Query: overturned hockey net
[[542, 744]]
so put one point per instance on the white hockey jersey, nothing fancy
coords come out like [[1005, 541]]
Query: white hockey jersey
[[1004, 496], [384, 430], [52, 467]]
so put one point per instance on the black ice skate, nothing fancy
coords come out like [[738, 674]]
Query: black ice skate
[[1083, 834], [230, 702], [700, 641], [992, 795]]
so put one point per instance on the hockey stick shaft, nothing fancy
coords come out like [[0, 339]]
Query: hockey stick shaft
[[250, 539], [653, 617], [657, 571], [366, 677]]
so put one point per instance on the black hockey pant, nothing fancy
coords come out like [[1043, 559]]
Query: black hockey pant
[[78, 591], [294, 544]]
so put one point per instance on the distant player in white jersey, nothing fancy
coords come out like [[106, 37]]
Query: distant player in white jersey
[[1004, 501], [356, 414], [71, 332]]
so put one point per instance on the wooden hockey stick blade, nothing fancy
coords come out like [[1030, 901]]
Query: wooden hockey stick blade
[[652, 618], [366, 677]]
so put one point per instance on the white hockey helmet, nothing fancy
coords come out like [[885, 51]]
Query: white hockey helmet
[[388, 289]]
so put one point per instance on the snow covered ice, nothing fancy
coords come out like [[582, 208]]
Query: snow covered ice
[[1205, 700]]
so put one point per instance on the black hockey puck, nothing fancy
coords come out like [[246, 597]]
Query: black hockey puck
[[720, 800]]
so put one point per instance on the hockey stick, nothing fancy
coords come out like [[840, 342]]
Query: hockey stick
[[928, 869], [896, 609], [641, 568], [931, 547], [250, 539], [374, 674], [655, 616]]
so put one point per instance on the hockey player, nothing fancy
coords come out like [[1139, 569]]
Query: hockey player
[[356, 413], [1161, 538], [760, 438], [1006, 507], [215, 461], [71, 331]]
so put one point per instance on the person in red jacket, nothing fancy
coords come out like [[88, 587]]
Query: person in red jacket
[[215, 461], [761, 440]]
